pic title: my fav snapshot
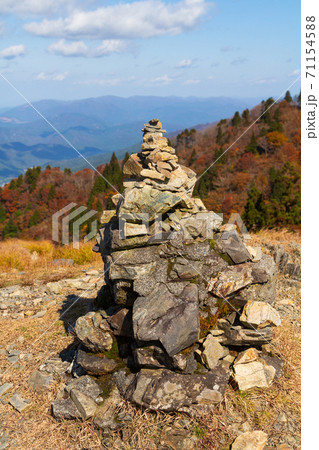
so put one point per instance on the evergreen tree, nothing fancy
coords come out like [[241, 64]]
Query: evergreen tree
[[98, 186], [52, 192], [220, 156], [275, 124], [90, 201], [3, 214], [99, 206], [299, 98], [236, 119], [20, 180], [252, 146], [67, 171], [113, 173], [31, 177], [266, 117], [13, 184], [245, 116], [288, 97], [285, 196], [10, 230], [219, 136], [34, 219], [255, 214], [48, 167]]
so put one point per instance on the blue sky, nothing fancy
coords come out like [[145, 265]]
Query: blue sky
[[68, 49]]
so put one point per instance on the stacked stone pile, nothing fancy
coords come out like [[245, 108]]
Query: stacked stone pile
[[187, 304]]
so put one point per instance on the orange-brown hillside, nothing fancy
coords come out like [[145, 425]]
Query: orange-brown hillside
[[255, 164]]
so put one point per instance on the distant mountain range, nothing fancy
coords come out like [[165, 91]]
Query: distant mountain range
[[96, 127]]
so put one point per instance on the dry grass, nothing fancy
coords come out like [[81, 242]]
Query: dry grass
[[21, 262], [282, 236]]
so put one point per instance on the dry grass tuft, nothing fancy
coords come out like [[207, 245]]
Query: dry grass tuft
[[281, 236], [21, 262]]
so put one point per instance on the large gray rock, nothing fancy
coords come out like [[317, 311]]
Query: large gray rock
[[235, 278], [148, 200], [230, 280], [230, 243], [91, 336], [95, 364], [154, 356], [183, 270], [160, 316], [163, 390], [202, 224], [86, 385], [65, 408], [86, 406], [121, 322]]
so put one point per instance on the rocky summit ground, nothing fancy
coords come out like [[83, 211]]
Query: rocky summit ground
[[36, 342]]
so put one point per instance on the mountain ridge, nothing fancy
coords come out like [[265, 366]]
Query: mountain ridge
[[107, 123]]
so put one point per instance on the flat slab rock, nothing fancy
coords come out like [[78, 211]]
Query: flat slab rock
[[230, 243], [238, 336], [250, 370], [234, 278], [163, 390], [77, 400], [19, 403], [95, 364], [172, 321]]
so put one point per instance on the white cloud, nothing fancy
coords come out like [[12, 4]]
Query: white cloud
[[12, 52], [264, 81], [184, 63], [109, 46], [51, 76], [139, 19], [105, 81], [29, 7], [164, 79], [64, 48], [79, 48], [192, 81], [294, 73]]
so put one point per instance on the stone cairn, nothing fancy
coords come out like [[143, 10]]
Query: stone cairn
[[186, 307]]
